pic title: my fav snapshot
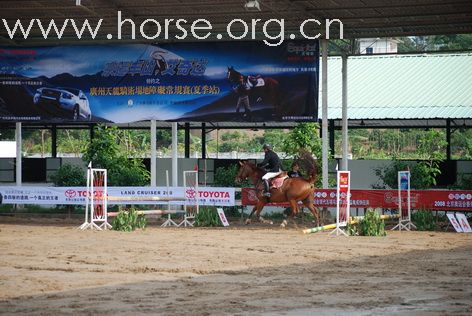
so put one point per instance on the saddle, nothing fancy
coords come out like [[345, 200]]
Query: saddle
[[278, 181], [255, 81]]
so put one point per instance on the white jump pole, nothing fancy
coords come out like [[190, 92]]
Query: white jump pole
[[169, 221], [404, 221], [18, 139], [153, 154], [324, 111], [191, 195]]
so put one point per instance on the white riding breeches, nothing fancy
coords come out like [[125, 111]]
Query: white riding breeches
[[270, 175]]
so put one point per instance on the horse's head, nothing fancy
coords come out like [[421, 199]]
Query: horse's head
[[233, 75], [245, 171]]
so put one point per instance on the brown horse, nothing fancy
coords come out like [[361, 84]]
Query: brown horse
[[292, 191]]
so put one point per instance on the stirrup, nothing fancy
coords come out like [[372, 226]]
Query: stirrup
[[266, 194]]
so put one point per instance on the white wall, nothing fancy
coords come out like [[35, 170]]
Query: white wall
[[7, 149], [363, 173]]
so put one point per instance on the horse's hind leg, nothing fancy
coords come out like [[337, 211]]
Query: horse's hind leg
[[294, 208], [309, 203]]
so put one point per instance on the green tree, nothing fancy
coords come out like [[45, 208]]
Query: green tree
[[275, 137], [233, 141], [461, 144], [104, 152], [72, 141], [431, 148], [303, 136], [435, 43]]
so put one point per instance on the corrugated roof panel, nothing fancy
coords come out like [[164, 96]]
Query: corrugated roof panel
[[402, 86]]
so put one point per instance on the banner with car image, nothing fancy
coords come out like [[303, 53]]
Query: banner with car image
[[201, 82]]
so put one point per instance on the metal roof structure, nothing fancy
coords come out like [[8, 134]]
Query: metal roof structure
[[361, 18], [427, 88]]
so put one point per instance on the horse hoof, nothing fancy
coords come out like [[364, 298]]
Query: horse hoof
[[248, 221], [284, 223], [271, 222]]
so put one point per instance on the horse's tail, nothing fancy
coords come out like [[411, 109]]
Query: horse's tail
[[307, 162]]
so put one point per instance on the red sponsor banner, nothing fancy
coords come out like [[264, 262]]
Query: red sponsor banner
[[441, 200]]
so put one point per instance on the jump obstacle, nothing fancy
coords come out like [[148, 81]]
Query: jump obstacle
[[343, 206], [96, 207], [353, 220]]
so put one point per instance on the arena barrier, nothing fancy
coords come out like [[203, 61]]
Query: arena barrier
[[96, 207]]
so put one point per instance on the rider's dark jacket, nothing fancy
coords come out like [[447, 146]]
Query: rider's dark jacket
[[294, 174], [271, 162]]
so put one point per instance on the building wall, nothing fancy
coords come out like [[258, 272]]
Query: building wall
[[379, 46]]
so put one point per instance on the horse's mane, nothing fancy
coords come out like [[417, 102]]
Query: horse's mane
[[253, 165], [308, 163]]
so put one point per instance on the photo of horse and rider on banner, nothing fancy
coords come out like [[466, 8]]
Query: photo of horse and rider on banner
[[200, 82]]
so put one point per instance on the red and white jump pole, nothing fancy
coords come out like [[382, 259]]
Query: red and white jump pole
[[343, 202]]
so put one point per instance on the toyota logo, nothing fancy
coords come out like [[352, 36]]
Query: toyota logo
[[70, 193], [191, 193]]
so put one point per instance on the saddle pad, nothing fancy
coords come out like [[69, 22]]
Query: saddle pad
[[278, 182]]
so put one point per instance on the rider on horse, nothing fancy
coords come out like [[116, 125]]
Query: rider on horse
[[272, 165], [295, 172]]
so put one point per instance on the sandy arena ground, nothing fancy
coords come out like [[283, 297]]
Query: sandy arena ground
[[54, 269]]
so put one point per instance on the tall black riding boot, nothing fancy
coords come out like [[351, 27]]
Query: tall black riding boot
[[266, 188]]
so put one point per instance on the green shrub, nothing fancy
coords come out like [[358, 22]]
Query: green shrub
[[423, 174], [69, 176], [207, 217], [129, 220], [370, 225], [423, 220]]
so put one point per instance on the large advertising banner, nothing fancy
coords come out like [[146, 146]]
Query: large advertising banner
[[441, 200], [211, 196], [201, 82]]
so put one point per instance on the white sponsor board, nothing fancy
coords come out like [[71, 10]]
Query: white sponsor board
[[454, 223], [76, 195], [222, 215], [462, 219]]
